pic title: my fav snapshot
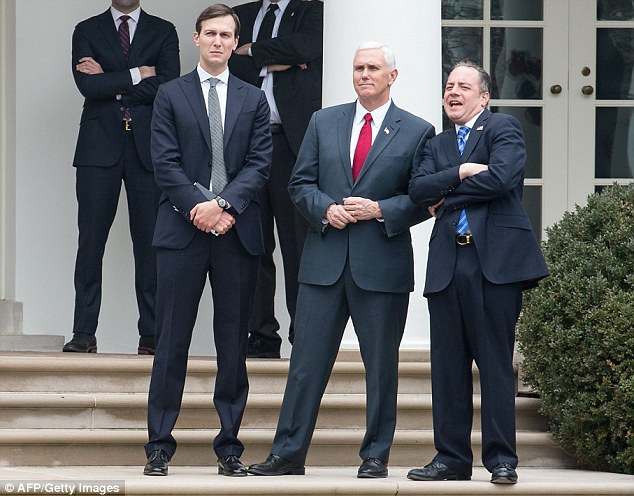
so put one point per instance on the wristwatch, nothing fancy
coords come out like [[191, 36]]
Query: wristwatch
[[222, 203]]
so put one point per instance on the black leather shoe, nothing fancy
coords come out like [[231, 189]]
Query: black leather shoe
[[231, 466], [156, 463], [276, 465], [146, 345], [258, 348], [372, 468], [504, 473], [81, 343], [436, 471]]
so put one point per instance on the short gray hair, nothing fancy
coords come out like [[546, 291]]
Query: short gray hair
[[388, 53]]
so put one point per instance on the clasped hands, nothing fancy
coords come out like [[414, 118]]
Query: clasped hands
[[466, 170], [354, 208], [209, 217]]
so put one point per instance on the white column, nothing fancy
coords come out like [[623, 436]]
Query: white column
[[412, 29]]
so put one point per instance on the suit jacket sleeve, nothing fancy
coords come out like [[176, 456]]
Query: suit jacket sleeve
[[304, 183], [399, 212], [103, 86], [507, 157], [167, 67], [428, 185]]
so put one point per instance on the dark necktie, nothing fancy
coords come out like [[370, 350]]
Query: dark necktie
[[363, 146], [124, 35], [463, 223], [266, 28], [218, 169]]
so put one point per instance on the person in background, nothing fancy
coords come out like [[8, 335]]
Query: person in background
[[119, 60], [280, 50]]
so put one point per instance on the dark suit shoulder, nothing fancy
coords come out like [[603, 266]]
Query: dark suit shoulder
[[411, 119], [157, 21], [91, 22]]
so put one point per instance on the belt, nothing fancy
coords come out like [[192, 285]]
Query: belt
[[464, 239], [277, 129], [127, 125]]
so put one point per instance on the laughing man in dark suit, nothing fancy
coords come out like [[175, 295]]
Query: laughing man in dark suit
[[119, 60], [482, 254], [209, 128]]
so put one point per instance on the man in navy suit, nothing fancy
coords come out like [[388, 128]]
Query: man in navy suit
[[119, 60], [482, 254], [202, 235], [285, 60], [350, 182]]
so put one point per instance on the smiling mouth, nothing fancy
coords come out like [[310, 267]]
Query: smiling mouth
[[454, 103]]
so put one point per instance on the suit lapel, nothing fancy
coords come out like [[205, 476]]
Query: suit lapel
[[190, 84], [389, 128], [109, 32], [142, 36], [236, 93], [345, 134], [474, 135], [248, 19], [288, 19]]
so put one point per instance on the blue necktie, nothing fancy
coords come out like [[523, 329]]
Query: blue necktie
[[463, 223]]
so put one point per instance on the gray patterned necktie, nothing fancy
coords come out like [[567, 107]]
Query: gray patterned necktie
[[218, 170]]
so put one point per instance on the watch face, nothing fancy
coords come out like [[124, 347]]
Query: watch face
[[222, 203]]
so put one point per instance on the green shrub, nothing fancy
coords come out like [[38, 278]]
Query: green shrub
[[577, 331]]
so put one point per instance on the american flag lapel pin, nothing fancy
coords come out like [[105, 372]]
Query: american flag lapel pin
[[479, 128], [386, 131]]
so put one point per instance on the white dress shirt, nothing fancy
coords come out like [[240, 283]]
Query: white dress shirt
[[221, 89], [378, 115]]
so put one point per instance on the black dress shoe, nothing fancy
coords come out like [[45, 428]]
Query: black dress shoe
[[436, 471], [146, 345], [276, 465], [81, 343], [231, 466], [372, 468], [504, 473], [258, 348], [156, 463]]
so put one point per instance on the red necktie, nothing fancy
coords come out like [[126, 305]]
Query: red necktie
[[363, 146], [124, 35]]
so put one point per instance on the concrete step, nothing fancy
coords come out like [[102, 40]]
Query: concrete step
[[129, 410], [100, 373], [321, 481], [330, 447]]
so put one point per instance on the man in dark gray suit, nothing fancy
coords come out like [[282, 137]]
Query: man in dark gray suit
[[350, 182]]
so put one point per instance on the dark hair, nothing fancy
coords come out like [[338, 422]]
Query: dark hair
[[218, 10], [485, 79]]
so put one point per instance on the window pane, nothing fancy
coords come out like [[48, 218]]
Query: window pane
[[516, 63], [615, 64], [532, 202], [531, 120], [461, 9], [615, 10], [614, 143], [458, 44], [517, 10]]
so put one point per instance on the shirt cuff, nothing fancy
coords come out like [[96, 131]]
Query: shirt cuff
[[135, 72]]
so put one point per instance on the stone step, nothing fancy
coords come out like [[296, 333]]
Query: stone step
[[330, 447], [129, 410], [100, 373], [323, 481]]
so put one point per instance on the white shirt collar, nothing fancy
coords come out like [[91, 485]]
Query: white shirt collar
[[203, 75], [469, 123], [378, 114], [134, 15], [282, 4]]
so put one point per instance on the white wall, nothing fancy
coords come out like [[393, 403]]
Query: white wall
[[48, 107]]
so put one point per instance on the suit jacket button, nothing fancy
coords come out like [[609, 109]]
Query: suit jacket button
[[209, 164], [122, 109]]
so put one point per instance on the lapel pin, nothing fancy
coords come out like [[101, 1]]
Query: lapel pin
[[386, 131], [479, 128]]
